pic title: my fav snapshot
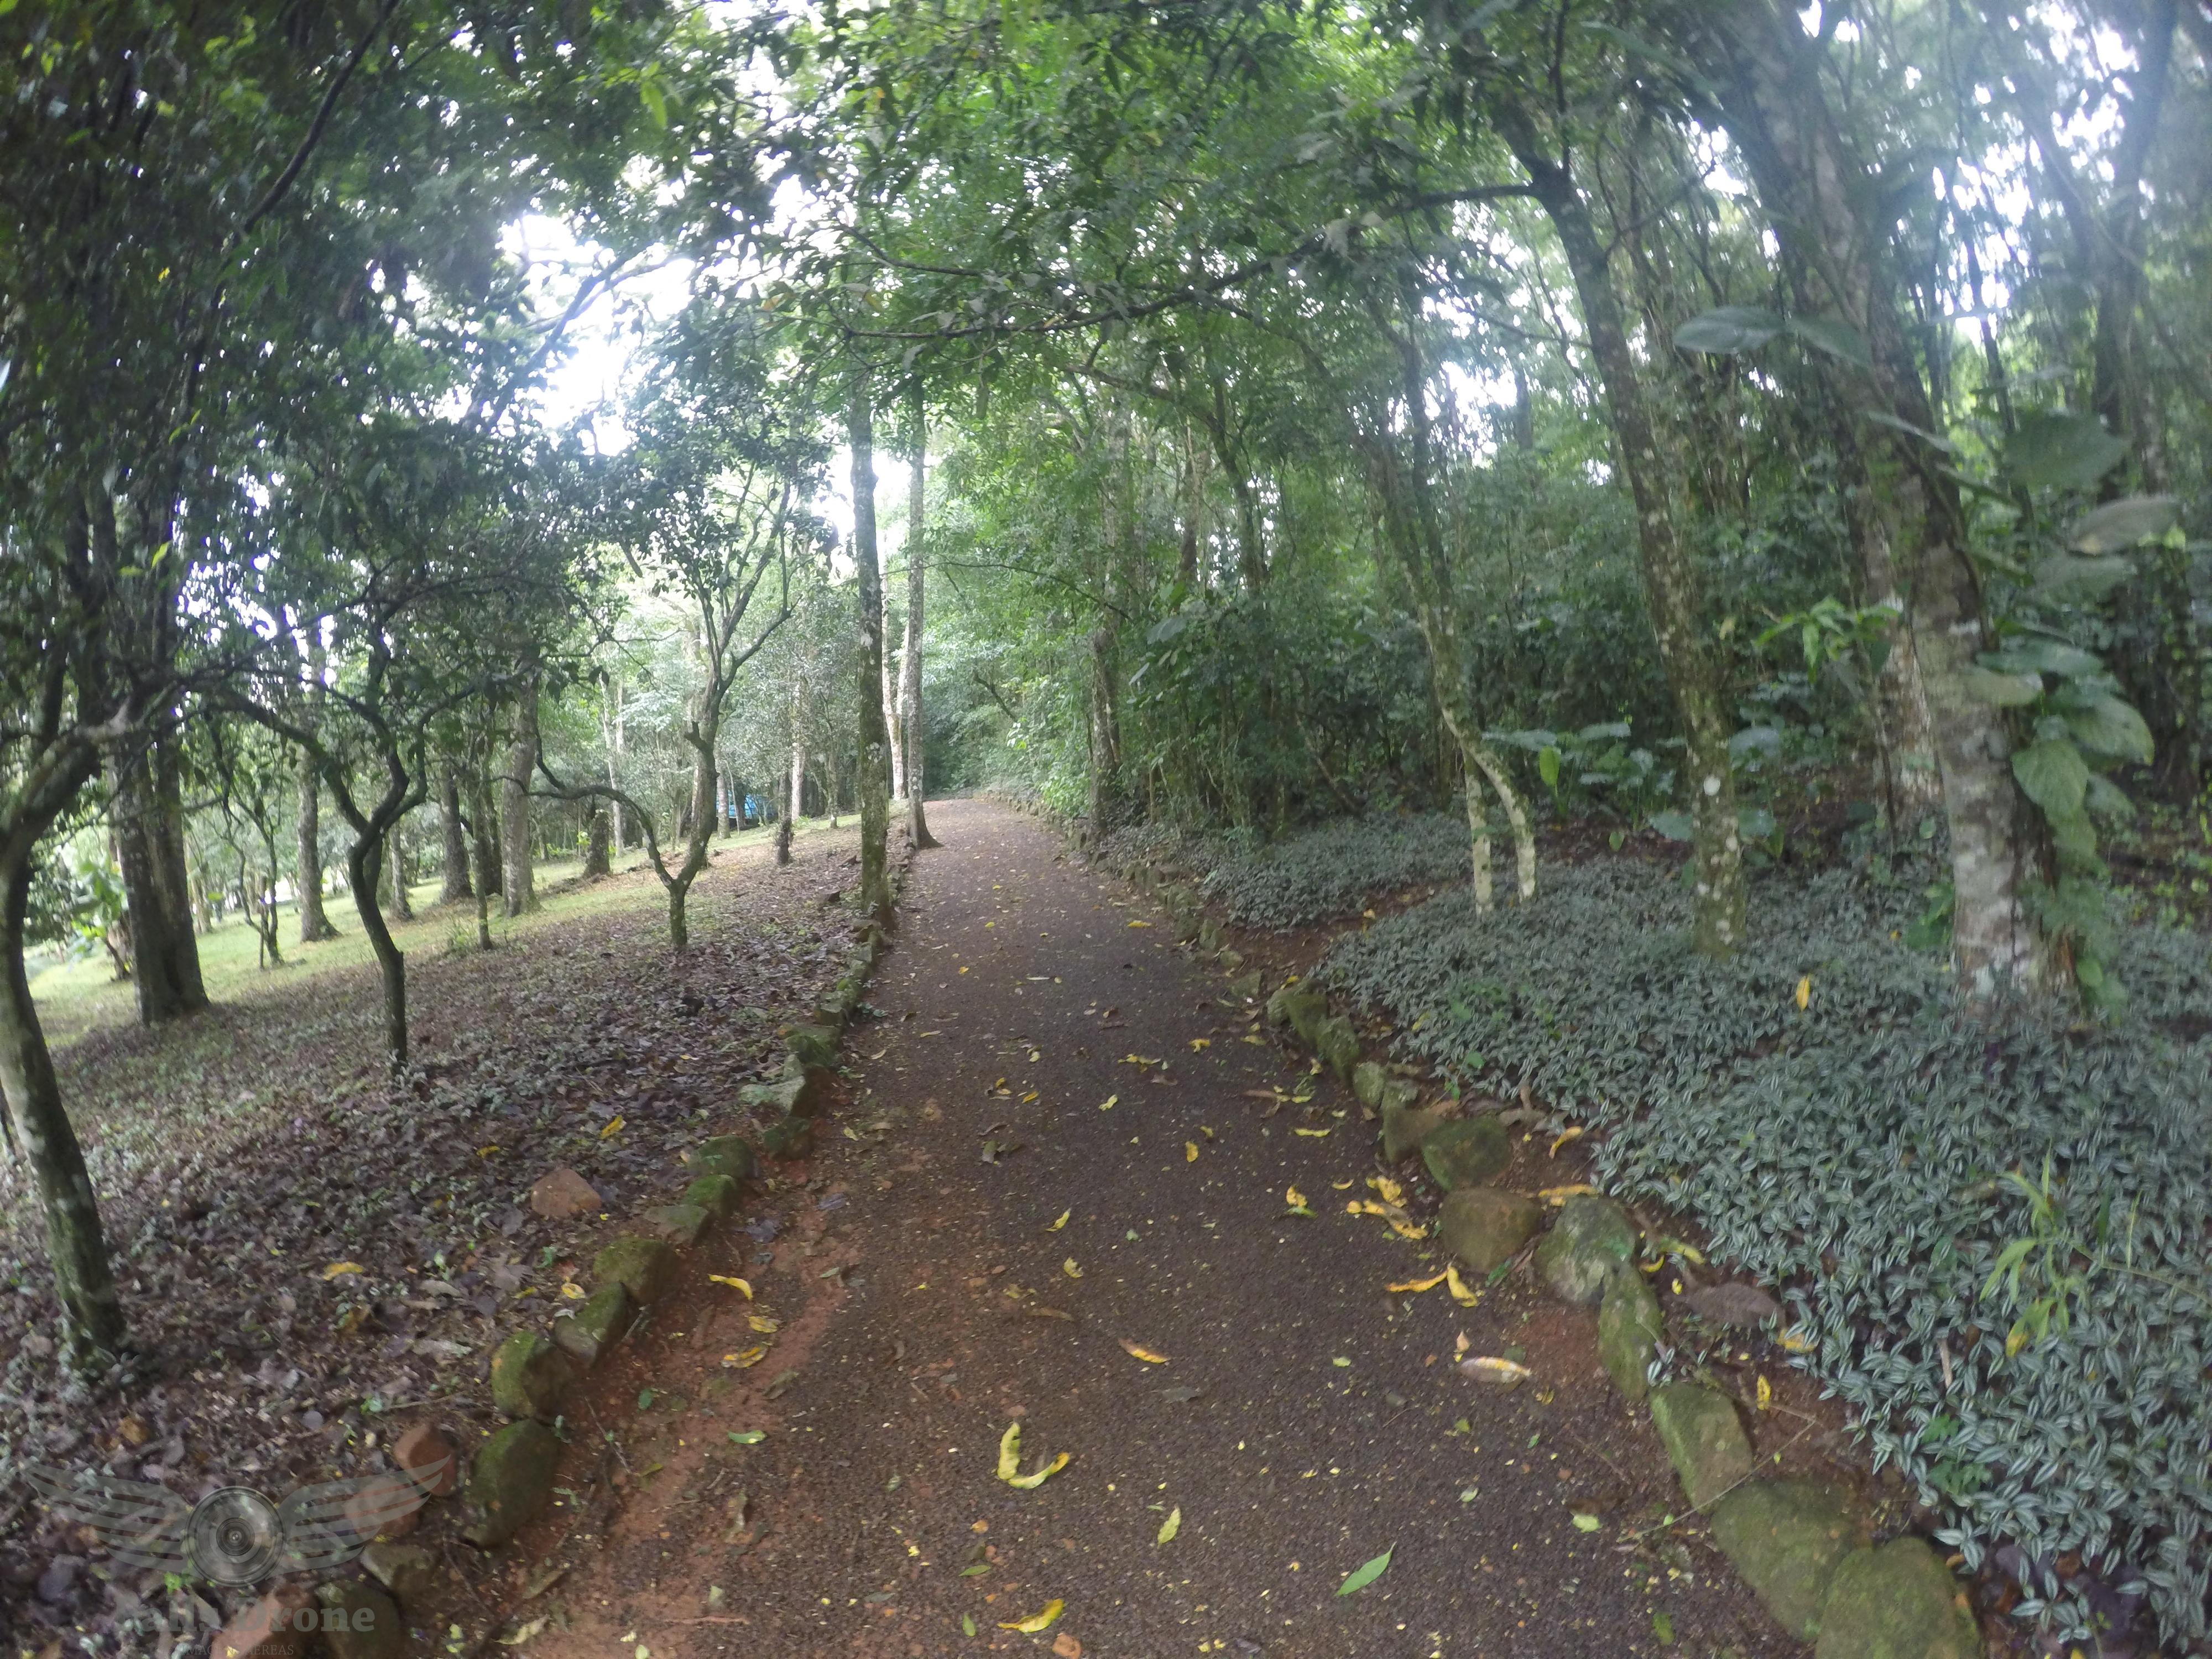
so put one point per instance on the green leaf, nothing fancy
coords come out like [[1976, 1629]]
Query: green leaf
[[2054, 776], [2053, 450], [2113, 730], [2106, 799], [1675, 826], [1730, 328], [1587, 1523], [1170, 1526], [967, 1624], [1835, 337], [2123, 523], [2033, 656], [1880, 418], [2004, 690], [1547, 768], [2085, 579], [1754, 822], [1663, 1628], [645, 1400], [747, 1437], [1366, 1574]]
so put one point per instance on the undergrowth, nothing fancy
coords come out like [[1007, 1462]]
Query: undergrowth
[[1992, 1230], [1330, 871]]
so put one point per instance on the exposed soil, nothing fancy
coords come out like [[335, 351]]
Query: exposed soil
[[1304, 1419]]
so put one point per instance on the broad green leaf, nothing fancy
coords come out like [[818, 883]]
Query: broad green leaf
[[1171, 1526], [1727, 330], [2053, 450], [967, 1624], [1756, 740], [2123, 523], [1366, 1574], [1675, 826], [1835, 337], [2113, 730], [1616, 730], [2106, 799], [2085, 580], [2004, 690], [1547, 768], [2054, 776], [1935, 441], [2043, 656], [1754, 823]]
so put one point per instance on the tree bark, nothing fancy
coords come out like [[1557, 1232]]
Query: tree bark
[[455, 886], [874, 737], [614, 740], [395, 863], [518, 885], [894, 738], [307, 870], [1672, 584], [364, 862], [93, 1328], [484, 837], [599, 858], [910, 727], [150, 837]]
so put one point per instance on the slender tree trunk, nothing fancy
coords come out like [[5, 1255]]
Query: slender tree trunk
[[797, 780], [455, 886], [150, 844], [910, 726], [1672, 586], [894, 736], [614, 737], [1766, 69], [1196, 457], [518, 885], [364, 861], [76, 1247], [874, 737], [308, 869], [395, 862]]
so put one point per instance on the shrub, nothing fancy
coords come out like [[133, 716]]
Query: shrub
[[1993, 1230]]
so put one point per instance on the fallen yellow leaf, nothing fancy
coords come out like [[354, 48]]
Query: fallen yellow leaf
[[1170, 1526], [1310, 1134], [1061, 1222], [1010, 1461], [1391, 1192], [1489, 1370], [614, 1126], [1795, 1341], [746, 1360], [1561, 1195], [1107, 1105], [1566, 1135], [1197, 1043], [340, 1269], [1765, 1394], [763, 1324], [1190, 1151], [734, 1284], [1457, 1286], [1804, 990], [1294, 1198], [1069, 1267], [1043, 1621], [1145, 1354], [1133, 924], [1428, 1284], [573, 1291]]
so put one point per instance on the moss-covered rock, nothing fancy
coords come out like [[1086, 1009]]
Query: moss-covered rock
[[788, 1138], [1704, 1439], [724, 1155], [1245, 987], [1367, 1078], [814, 1045], [1898, 1601], [1209, 935], [1405, 1124], [530, 1376], [1592, 1237], [679, 1224], [1338, 1045], [359, 1621], [1629, 1329], [1299, 1006], [510, 1482], [1466, 1151], [408, 1570], [717, 1194], [1787, 1538], [596, 1327], [646, 1267], [1483, 1226]]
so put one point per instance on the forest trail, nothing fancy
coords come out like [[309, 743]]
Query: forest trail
[[1303, 1422]]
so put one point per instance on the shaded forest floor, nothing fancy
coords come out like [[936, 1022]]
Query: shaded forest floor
[[306, 1249]]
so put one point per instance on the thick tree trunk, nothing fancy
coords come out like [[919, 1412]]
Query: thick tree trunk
[[307, 865], [910, 727], [1672, 586], [77, 1247], [455, 884], [483, 832], [1821, 204], [874, 737], [518, 883], [598, 860], [149, 838]]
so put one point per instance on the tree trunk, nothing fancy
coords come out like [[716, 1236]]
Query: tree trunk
[[395, 860], [910, 727], [614, 740], [598, 860], [893, 736], [1820, 203], [795, 802], [149, 838], [1672, 584], [518, 885], [76, 1247], [484, 837], [874, 737], [455, 886], [307, 870], [364, 861]]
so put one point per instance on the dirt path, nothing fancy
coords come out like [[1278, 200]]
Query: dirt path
[[1304, 1420]]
